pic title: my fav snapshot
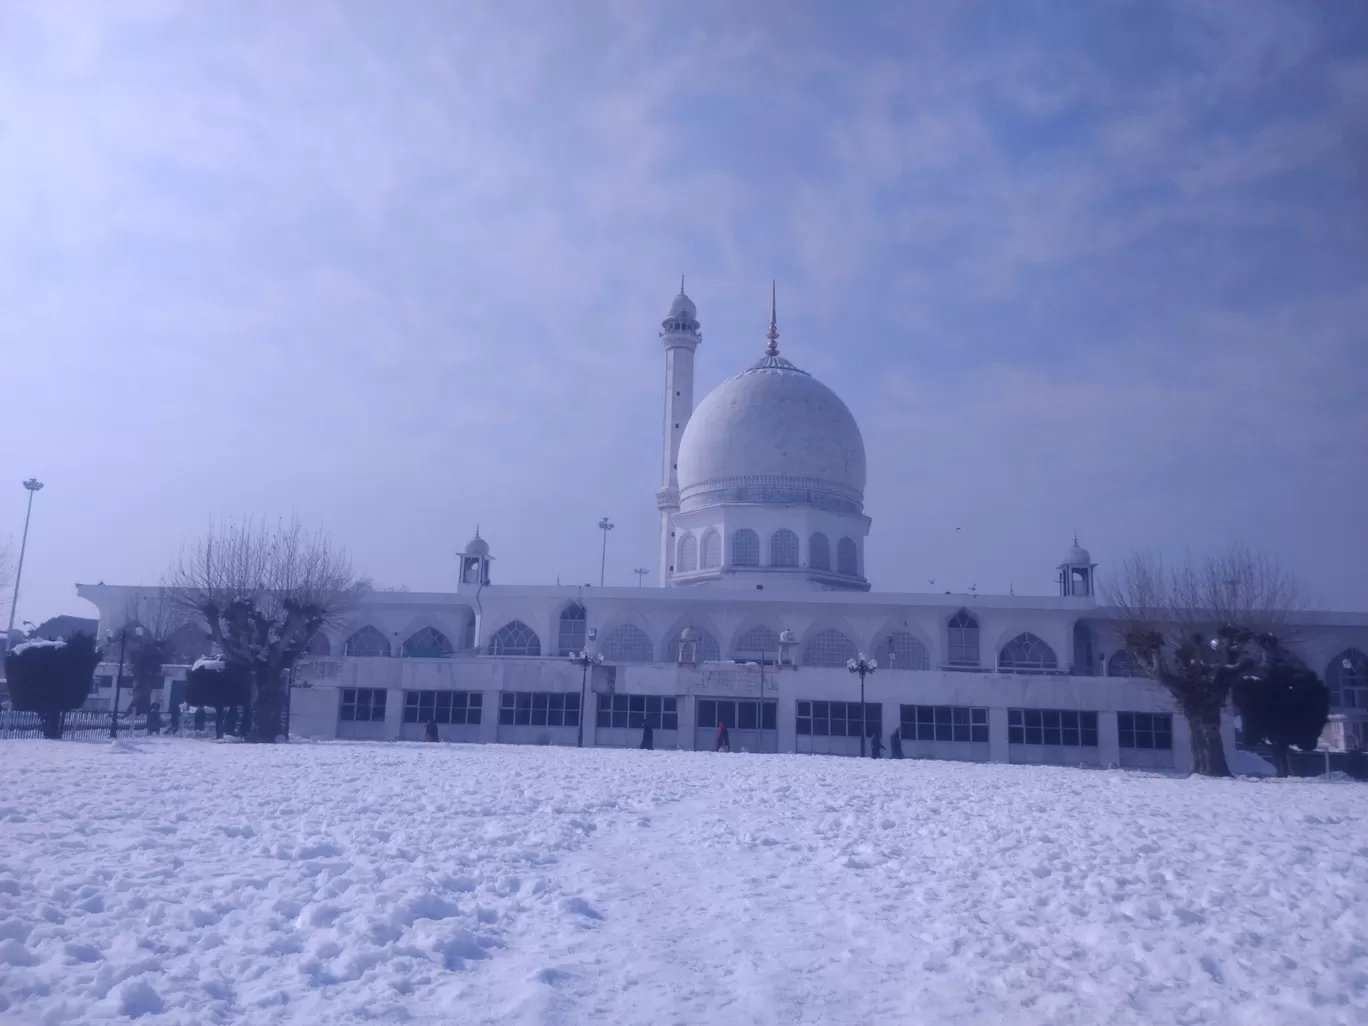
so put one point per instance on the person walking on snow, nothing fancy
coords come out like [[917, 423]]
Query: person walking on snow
[[895, 744], [647, 738], [875, 744], [723, 741], [430, 731]]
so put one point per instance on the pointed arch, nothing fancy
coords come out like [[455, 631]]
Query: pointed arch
[[903, 650], [515, 638], [783, 548], [712, 550], [1122, 664], [963, 649], [847, 561], [318, 645], [760, 642], [426, 643], [745, 548], [819, 552], [627, 643], [368, 642], [1348, 684], [688, 555], [828, 647], [1027, 653], [570, 635]]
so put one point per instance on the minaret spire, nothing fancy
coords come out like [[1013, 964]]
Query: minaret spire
[[773, 334], [681, 284]]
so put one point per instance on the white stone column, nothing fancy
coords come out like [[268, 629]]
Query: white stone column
[[1108, 740], [687, 717], [997, 734], [394, 714], [489, 717]]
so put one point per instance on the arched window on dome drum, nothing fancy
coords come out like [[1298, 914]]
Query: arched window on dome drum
[[745, 548], [845, 558], [426, 643], [318, 645], [1348, 684], [571, 638], [712, 551], [368, 641], [1122, 664], [756, 644], [783, 548], [688, 555], [1027, 654], [903, 651], [627, 643], [515, 638], [819, 552], [963, 649], [828, 648]]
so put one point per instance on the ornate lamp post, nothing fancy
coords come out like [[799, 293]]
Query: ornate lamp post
[[605, 525], [584, 660], [865, 668], [641, 573], [33, 485], [138, 632]]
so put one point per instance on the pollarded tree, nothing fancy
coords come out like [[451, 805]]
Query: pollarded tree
[[212, 683], [263, 594], [1199, 630], [152, 624], [51, 678], [1285, 706]]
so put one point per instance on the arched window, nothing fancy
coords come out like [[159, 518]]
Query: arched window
[[819, 552], [964, 640], [1122, 664], [426, 643], [368, 642], [903, 651], [828, 648], [745, 548], [783, 548], [708, 649], [712, 551], [758, 643], [688, 555], [1027, 654], [318, 645], [846, 562], [627, 643], [1348, 684], [571, 639], [515, 638]]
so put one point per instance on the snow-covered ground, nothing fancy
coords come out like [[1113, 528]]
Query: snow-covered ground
[[192, 882]]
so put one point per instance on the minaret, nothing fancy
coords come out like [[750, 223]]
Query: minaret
[[679, 332]]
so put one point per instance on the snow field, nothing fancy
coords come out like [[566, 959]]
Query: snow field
[[174, 881]]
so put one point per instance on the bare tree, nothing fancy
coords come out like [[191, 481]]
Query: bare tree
[[1201, 628], [263, 593], [160, 617]]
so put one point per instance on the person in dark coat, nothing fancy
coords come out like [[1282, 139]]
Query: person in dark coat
[[199, 719], [430, 731], [723, 739], [895, 744], [875, 744], [647, 737], [154, 718], [175, 718]]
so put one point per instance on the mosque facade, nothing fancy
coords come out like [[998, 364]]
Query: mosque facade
[[763, 605]]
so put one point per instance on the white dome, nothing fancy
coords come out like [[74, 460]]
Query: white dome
[[772, 434], [477, 546], [683, 309], [1077, 555]]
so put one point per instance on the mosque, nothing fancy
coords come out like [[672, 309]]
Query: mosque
[[764, 609]]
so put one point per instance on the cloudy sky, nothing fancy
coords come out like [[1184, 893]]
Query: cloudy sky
[[399, 268]]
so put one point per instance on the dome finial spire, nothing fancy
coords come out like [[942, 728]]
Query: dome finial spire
[[681, 284], [773, 333]]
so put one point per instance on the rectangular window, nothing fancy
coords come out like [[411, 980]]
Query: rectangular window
[[635, 711], [1066, 728], [737, 714], [944, 723], [1145, 730], [839, 719], [456, 707], [537, 709], [363, 705]]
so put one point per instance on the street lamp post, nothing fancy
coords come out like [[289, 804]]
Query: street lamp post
[[118, 674], [605, 525], [584, 660], [641, 573], [865, 668], [33, 485]]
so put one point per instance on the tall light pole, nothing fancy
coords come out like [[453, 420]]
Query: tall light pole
[[605, 525], [584, 660], [33, 485], [641, 573], [865, 668]]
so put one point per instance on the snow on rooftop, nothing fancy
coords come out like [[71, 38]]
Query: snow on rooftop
[[24, 646], [345, 882]]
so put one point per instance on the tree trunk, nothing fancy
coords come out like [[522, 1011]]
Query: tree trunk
[[218, 721], [1208, 751], [1284, 753], [52, 725], [268, 705]]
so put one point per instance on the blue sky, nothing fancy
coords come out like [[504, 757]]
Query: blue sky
[[399, 268]]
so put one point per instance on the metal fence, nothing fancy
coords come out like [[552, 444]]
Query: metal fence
[[92, 725]]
